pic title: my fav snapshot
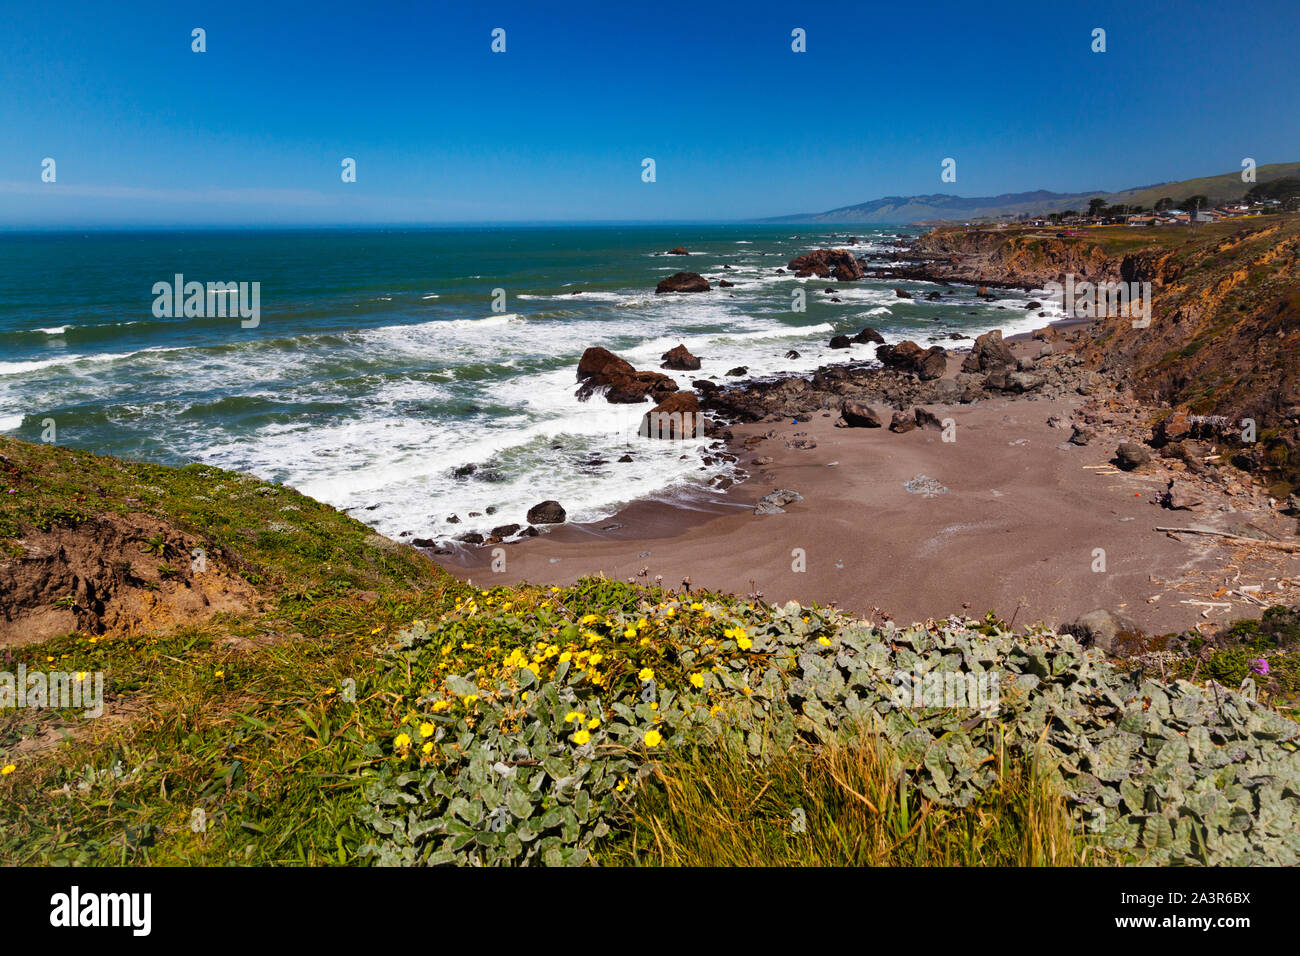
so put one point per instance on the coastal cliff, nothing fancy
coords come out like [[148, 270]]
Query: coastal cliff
[[1224, 341]]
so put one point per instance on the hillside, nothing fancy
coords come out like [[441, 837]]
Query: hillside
[[360, 706], [1224, 341], [941, 206]]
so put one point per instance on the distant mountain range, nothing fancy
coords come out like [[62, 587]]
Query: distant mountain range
[[941, 206]]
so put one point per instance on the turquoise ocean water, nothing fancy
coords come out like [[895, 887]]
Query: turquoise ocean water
[[379, 368]]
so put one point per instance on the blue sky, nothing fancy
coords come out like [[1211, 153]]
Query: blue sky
[[253, 131]]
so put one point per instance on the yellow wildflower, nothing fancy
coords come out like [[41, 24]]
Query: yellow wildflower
[[593, 723], [653, 738], [581, 737], [647, 674], [426, 729], [402, 741], [824, 641], [697, 680], [573, 715], [7, 769]]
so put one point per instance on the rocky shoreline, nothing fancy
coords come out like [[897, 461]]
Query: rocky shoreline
[[1180, 470]]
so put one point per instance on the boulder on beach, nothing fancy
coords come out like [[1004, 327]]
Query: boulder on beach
[[675, 418], [774, 503], [859, 414], [547, 512], [683, 282], [1102, 629], [840, 341], [838, 264], [926, 419], [1173, 428], [724, 284], [679, 251], [901, 423], [1130, 455], [1180, 496], [902, 294], [988, 354], [601, 370], [867, 336], [1082, 434], [679, 359], [927, 364]]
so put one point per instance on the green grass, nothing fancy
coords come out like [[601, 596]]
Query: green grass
[[841, 804]]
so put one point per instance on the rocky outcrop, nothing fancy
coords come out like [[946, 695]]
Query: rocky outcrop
[[680, 360], [859, 414], [675, 418], [927, 364], [683, 282], [774, 503], [600, 370], [547, 512], [901, 423], [838, 264], [1130, 456], [988, 354]]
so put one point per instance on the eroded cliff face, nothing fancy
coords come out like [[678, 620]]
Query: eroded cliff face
[[1224, 339], [1013, 259]]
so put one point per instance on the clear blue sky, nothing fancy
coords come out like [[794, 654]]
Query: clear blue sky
[[253, 131]]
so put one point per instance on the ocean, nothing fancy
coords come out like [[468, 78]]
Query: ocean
[[384, 362]]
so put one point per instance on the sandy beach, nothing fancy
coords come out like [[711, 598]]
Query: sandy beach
[[1015, 520]]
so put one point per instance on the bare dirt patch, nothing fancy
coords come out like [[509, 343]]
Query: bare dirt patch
[[114, 574]]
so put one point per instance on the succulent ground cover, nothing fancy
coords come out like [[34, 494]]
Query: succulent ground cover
[[528, 755]]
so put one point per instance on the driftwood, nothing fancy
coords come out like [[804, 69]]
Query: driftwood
[[1287, 546]]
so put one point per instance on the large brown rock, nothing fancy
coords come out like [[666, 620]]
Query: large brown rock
[[838, 264], [600, 370], [683, 282], [548, 512], [901, 423], [988, 354], [859, 415], [928, 364], [676, 417], [679, 359], [1174, 428]]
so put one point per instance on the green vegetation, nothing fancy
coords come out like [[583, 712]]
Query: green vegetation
[[837, 805], [374, 710]]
